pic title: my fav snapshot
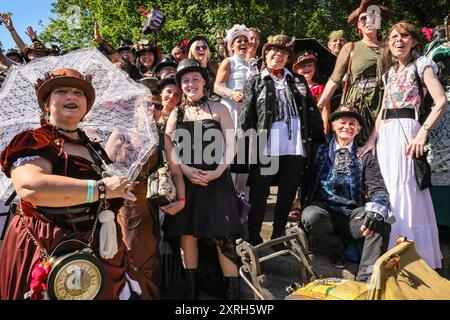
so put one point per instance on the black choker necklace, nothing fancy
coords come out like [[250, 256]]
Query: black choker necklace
[[198, 104], [65, 130]]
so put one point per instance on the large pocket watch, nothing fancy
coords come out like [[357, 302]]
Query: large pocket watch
[[77, 275]]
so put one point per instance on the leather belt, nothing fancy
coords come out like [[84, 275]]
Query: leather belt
[[399, 113], [65, 215]]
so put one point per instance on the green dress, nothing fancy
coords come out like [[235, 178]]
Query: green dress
[[365, 89]]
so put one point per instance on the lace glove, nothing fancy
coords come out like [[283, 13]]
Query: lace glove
[[373, 221]]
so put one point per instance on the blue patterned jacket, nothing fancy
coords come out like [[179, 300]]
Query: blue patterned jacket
[[346, 190]]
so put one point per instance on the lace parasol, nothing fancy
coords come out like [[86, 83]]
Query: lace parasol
[[120, 119]]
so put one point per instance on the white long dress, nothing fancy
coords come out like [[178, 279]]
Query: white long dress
[[240, 71], [412, 208]]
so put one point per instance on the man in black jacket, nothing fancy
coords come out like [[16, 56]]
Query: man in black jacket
[[336, 210], [281, 109]]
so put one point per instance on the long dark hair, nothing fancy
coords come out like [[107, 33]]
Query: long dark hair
[[404, 28], [139, 65]]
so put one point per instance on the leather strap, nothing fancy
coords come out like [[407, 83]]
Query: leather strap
[[347, 75]]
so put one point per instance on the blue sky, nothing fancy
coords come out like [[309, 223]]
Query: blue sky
[[25, 13]]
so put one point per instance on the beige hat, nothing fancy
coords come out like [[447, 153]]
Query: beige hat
[[337, 34]]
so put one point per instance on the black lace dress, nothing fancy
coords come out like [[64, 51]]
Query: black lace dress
[[211, 211]]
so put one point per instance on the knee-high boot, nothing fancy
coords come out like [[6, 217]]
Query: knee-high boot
[[190, 283], [233, 288]]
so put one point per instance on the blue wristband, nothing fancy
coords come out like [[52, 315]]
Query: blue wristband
[[90, 191]]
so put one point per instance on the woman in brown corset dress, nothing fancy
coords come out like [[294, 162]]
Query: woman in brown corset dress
[[139, 220], [55, 172]]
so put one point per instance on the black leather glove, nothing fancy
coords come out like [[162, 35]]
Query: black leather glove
[[373, 221]]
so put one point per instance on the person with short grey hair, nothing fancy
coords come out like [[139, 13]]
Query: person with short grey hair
[[336, 211]]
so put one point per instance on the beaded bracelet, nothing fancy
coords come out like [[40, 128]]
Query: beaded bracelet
[[90, 191], [182, 200], [101, 190]]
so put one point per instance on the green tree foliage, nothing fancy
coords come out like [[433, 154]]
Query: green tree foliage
[[121, 19]]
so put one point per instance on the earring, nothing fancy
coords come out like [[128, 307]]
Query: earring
[[47, 116]]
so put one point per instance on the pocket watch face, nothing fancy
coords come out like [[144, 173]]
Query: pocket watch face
[[77, 277]]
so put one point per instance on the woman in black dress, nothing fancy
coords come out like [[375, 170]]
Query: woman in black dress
[[205, 146]]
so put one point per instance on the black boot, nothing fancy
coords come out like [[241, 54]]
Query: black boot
[[190, 284], [233, 288]]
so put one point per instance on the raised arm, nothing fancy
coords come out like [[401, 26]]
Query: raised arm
[[31, 34], [112, 53], [6, 19]]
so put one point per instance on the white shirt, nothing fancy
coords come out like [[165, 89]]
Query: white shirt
[[279, 144]]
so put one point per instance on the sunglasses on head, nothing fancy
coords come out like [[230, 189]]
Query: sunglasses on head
[[203, 47]]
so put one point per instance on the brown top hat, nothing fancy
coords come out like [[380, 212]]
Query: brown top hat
[[280, 41], [353, 17], [37, 46], [14, 52], [346, 111], [303, 57], [152, 84], [64, 77]]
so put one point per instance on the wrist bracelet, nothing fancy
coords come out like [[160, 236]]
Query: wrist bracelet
[[182, 200], [101, 190], [90, 191]]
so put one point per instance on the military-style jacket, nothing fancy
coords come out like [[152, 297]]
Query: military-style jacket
[[259, 107]]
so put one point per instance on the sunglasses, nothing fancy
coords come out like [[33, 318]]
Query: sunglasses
[[202, 47], [363, 19]]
